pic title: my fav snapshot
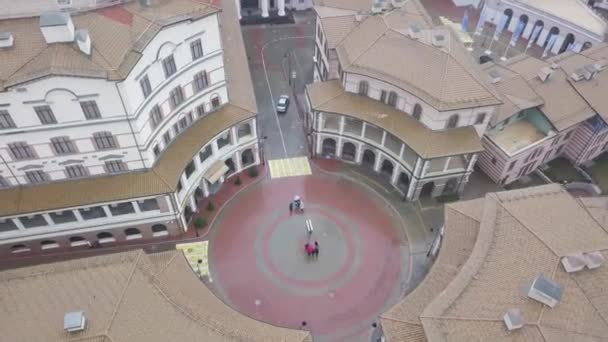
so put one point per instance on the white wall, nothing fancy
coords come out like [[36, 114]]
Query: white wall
[[432, 118]]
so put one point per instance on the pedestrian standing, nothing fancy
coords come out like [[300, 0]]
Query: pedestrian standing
[[316, 249], [290, 207], [309, 249]]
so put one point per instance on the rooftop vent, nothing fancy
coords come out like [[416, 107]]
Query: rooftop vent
[[495, 76], [358, 17], [590, 71], [513, 319], [574, 262], [84, 41], [601, 64], [6, 39], [378, 6], [439, 39], [545, 73], [578, 75], [554, 66], [545, 291], [594, 259], [414, 32], [74, 321], [57, 27]]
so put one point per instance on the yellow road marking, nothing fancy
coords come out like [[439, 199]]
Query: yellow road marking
[[289, 167]]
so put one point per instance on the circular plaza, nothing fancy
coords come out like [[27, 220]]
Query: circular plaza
[[260, 267]]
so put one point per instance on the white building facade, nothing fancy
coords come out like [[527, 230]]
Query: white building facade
[[374, 104], [573, 24], [118, 139]]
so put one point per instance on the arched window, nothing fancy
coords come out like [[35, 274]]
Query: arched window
[[481, 118], [244, 130], [392, 99], [452, 121], [105, 237], [159, 230], [363, 88], [48, 244], [20, 248], [247, 157], [215, 101], [78, 241], [132, 233], [417, 112]]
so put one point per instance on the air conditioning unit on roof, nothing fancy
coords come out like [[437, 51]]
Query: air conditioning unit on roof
[[601, 64], [574, 262], [578, 75], [545, 291], [513, 319], [594, 259], [545, 73]]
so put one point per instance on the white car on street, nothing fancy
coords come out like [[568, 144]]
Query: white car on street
[[283, 104]]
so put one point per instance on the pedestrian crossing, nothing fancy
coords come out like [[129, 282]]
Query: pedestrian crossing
[[289, 167]]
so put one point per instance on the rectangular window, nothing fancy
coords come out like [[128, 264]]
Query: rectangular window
[[223, 140], [169, 66], [179, 186], [383, 96], [146, 87], [215, 102], [559, 150], [196, 48], [90, 110], [115, 166], [36, 176], [176, 129], [156, 151], [176, 97], [200, 110], [167, 138], [555, 141], [156, 116], [75, 171], [481, 117], [21, 150], [45, 115], [5, 120], [62, 145], [183, 123], [512, 165], [104, 140], [568, 135], [190, 168], [201, 81], [205, 154], [3, 182]]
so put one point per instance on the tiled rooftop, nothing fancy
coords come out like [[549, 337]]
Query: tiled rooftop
[[516, 136]]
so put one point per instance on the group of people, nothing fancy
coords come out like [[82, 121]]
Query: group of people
[[312, 250]]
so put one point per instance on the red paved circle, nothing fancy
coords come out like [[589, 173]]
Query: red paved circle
[[353, 223]]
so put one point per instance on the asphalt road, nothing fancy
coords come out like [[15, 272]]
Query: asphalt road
[[275, 52]]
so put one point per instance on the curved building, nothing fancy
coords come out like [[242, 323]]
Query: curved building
[[114, 122], [398, 94]]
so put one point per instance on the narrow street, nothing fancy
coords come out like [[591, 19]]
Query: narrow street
[[276, 52]]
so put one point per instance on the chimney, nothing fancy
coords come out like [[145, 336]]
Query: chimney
[[495, 76], [439, 40], [84, 41], [589, 71], [57, 27], [414, 32], [6, 39], [601, 64]]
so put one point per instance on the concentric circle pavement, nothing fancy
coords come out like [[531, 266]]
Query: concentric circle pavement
[[259, 267]]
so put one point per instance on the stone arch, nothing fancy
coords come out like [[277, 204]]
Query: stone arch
[[247, 157], [60, 92], [349, 151], [329, 147], [427, 189], [587, 45], [132, 231], [403, 182], [47, 244], [538, 23], [19, 248], [451, 186], [369, 159], [387, 168], [523, 19], [509, 13], [104, 235], [159, 228], [417, 112], [553, 31], [570, 39], [230, 164]]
